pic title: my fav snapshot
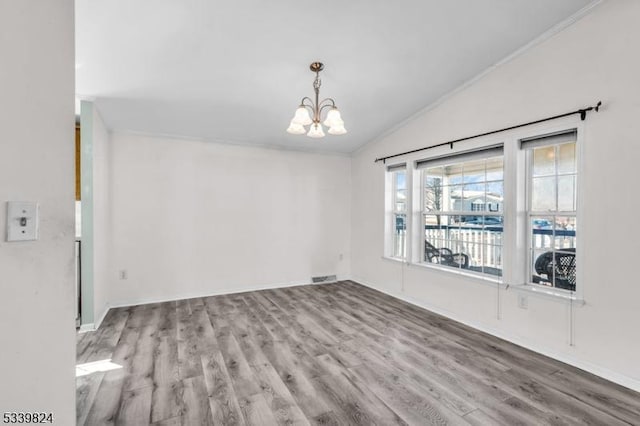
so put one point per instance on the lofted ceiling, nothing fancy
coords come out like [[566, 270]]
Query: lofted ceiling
[[234, 71]]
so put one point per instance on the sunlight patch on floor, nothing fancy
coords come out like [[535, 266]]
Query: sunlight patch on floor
[[95, 367]]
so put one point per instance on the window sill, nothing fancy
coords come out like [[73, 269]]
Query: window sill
[[394, 259], [550, 293], [459, 272], [554, 294]]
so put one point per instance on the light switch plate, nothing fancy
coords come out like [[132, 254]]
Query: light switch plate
[[22, 221]]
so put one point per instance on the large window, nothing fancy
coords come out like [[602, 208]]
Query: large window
[[399, 212], [551, 207], [462, 199], [504, 210]]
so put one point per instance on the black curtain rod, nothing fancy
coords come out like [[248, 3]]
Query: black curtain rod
[[582, 112]]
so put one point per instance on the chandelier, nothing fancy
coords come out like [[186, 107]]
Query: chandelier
[[309, 112]]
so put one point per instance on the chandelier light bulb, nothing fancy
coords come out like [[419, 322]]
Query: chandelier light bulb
[[315, 131], [296, 129], [333, 118], [302, 116], [337, 130]]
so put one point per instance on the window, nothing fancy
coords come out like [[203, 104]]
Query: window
[[398, 211], [449, 211], [551, 209], [462, 198]]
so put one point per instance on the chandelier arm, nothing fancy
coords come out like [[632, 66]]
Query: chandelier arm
[[310, 106], [333, 103], [306, 98], [326, 106]]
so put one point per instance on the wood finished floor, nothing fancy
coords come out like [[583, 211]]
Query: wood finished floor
[[331, 354]]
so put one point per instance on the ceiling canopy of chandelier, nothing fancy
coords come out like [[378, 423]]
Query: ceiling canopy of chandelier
[[309, 112]]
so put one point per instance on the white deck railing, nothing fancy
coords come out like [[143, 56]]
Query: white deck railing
[[471, 242]]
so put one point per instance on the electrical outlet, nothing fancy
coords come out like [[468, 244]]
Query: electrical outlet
[[122, 274], [523, 301]]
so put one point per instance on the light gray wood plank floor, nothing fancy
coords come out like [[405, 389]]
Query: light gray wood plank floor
[[329, 354]]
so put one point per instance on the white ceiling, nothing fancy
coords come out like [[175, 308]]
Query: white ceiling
[[235, 70]]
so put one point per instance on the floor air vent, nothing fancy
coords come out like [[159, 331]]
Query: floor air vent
[[324, 279]]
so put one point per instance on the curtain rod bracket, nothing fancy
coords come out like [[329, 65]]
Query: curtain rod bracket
[[583, 112]]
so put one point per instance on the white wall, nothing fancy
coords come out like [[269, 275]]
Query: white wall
[[192, 218], [37, 164], [594, 59]]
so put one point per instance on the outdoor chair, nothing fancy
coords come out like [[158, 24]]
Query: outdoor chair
[[564, 266], [444, 256]]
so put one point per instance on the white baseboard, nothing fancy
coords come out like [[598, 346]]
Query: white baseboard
[[146, 301], [93, 326], [84, 328], [582, 364], [103, 314]]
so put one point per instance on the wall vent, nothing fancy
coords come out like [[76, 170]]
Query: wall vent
[[324, 279]]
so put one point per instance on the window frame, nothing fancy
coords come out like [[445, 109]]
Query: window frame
[[423, 211], [519, 268], [391, 211], [551, 214]]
